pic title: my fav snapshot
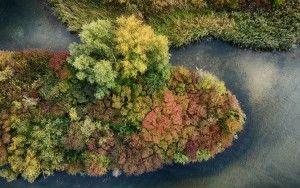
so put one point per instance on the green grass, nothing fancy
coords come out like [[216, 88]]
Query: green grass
[[185, 26], [265, 30], [79, 12]]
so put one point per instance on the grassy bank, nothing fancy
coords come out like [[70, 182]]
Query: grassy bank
[[277, 28]]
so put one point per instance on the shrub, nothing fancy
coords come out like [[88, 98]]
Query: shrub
[[203, 155], [8, 174], [74, 140], [6, 74], [181, 158], [210, 82], [95, 164]]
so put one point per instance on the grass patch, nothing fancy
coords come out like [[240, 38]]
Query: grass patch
[[79, 12], [266, 30], [185, 26], [274, 29]]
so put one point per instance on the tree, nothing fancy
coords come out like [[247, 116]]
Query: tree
[[109, 56]]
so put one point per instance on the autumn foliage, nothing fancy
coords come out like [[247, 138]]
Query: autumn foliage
[[92, 113]]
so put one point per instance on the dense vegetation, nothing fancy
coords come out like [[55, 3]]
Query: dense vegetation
[[167, 5], [113, 104], [258, 24]]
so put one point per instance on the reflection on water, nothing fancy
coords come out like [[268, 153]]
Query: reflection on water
[[261, 76], [267, 153]]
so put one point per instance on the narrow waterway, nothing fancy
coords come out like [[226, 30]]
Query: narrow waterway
[[267, 153], [30, 24]]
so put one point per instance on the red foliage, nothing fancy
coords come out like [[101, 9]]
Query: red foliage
[[45, 107], [164, 122], [94, 169], [191, 148], [231, 102], [209, 138], [58, 59], [57, 64], [136, 157], [184, 119], [3, 154], [196, 110]]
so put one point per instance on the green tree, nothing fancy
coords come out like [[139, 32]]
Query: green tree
[[126, 52]]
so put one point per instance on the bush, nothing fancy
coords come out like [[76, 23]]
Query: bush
[[181, 158], [95, 164]]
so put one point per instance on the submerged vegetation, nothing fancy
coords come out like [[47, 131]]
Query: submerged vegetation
[[259, 24], [113, 104]]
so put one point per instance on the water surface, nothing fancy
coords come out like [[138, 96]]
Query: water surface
[[30, 24], [267, 153]]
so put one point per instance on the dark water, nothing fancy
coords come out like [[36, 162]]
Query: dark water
[[29, 24], [267, 153]]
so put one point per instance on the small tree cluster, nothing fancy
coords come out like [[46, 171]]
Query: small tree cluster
[[109, 56], [137, 157]]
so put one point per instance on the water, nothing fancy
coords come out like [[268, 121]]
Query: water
[[267, 153], [30, 24]]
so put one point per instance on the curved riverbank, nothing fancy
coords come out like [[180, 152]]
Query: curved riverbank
[[267, 152]]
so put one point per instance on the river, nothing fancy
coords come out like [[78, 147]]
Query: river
[[267, 153]]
